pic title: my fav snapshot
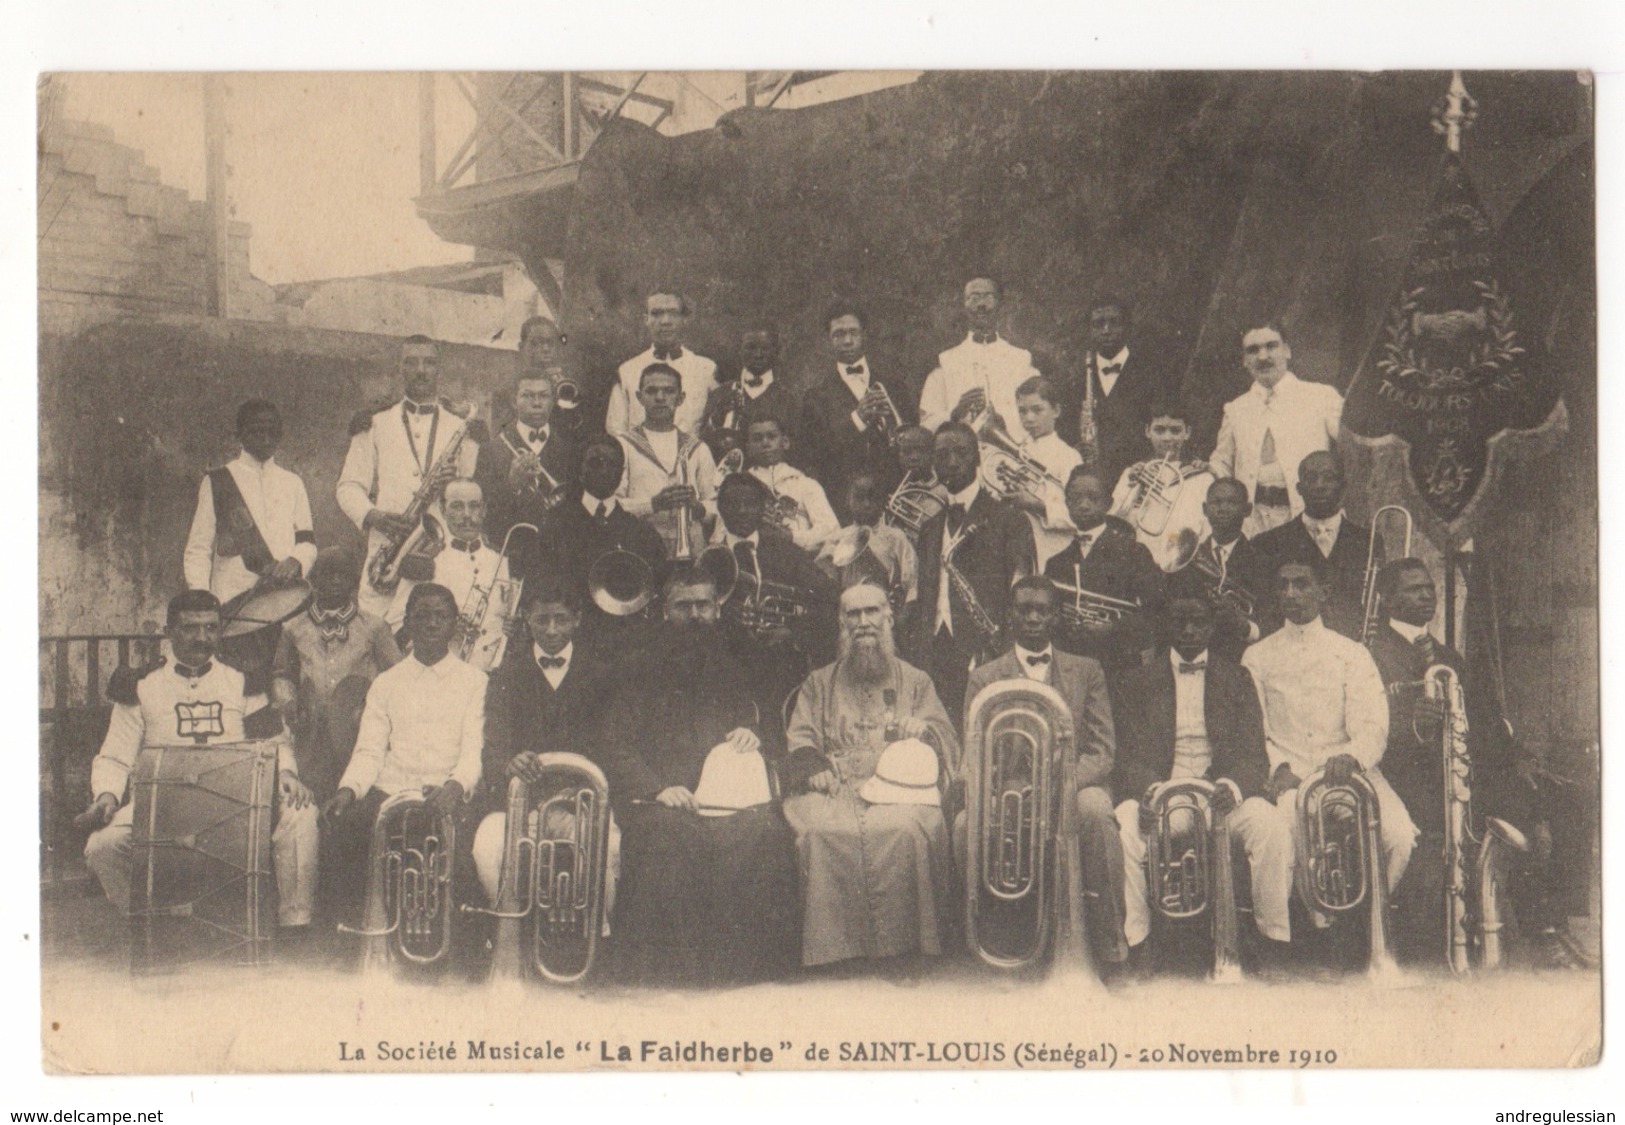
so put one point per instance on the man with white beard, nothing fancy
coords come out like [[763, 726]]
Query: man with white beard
[[876, 868]]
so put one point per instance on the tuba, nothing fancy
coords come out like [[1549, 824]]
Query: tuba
[[409, 885], [1493, 851], [1021, 875], [555, 864], [478, 645], [911, 507], [1340, 864], [1189, 867], [1370, 600]]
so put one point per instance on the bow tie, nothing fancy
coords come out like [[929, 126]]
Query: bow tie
[[854, 369], [1188, 669], [1035, 661], [1111, 369], [983, 337], [548, 662], [536, 437], [418, 407], [754, 380], [468, 545], [667, 354], [193, 673]]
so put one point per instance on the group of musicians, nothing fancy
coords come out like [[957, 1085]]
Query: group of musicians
[[765, 617]]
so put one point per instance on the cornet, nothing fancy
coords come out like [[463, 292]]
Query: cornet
[[539, 482]]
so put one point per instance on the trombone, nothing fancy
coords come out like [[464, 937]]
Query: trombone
[[1370, 599]]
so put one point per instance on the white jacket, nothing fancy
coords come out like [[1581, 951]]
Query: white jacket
[[1304, 417]]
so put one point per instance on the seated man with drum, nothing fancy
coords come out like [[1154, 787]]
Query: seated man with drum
[[708, 865], [423, 731], [194, 700], [1196, 720], [864, 767], [1162, 498]]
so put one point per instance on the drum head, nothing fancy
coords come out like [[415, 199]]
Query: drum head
[[265, 605]]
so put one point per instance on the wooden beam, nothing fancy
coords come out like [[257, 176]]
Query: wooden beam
[[426, 155]]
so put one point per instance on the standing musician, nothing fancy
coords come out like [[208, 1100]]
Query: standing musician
[[1166, 517], [396, 452], [329, 656], [992, 547], [1197, 717], [708, 871], [461, 560], [1414, 759], [529, 458], [547, 697], [1267, 432], [667, 467], [799, 503], [1034, 609], [541, 352], [848, 416], [582, 532], [876, 872], [1228, 561], [1324, 531], [1102, 560], [755, 390], [1123, 387], [779, 653], [252, 525], [976, 380], [1044, 502], [193, 700], [914, 446], [1324, 705], [888, 558], [665, 317], [423, 729]]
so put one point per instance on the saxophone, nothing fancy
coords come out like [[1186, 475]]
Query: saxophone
[[1088, 427], [384, 568], [981, 620]]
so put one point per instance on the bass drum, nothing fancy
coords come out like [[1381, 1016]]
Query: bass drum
[[201, 880], [1175, 545]]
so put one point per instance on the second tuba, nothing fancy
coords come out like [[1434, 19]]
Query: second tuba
[[1189, 870], [410, 904], [1340, 864]]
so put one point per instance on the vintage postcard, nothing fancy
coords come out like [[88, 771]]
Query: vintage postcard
[[814, 570]]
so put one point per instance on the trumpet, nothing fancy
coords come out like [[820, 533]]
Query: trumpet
[[555, 865], [1009, 470], [685, 533], [1370, 599], [1340, 864], [530, 464], [911, 506], [891, 421], [409, 885], [1090, 608], [1189, 868], [1229, 595], [1021, 874], [477, 645]]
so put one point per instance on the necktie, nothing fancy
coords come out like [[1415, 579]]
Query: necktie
[[956, 516], [665, 355], [1035, 661], [984, 337], [1191, 669], [467, 545], [602, 515], [1425, 647], [1266, 453], [536, 437], [854, 369], [550, 662]]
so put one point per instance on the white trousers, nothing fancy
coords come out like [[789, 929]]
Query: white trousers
[[294, 843], [1399, 832], [1266, 837], [489, 838]]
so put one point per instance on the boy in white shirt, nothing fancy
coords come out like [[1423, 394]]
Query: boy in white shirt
[[1045, 504], [800, 505]]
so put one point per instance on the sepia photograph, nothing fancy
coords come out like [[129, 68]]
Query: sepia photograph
[[814, 570]]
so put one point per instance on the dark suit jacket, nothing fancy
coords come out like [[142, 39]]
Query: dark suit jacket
[[1082, 684], [1246, 570], [998, 552], [503, 506], [1117, 566], [1145, 729], [832, 450], [573, 539], [1416, 769], [1345, 567], [1121, 417], [775, 401], [523, 712]]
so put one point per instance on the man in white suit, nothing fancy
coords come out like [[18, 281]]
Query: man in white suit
[[1270, 429], [665, 315]]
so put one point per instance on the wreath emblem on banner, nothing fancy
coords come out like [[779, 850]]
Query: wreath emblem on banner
[[1447, 478], [1490, 364]]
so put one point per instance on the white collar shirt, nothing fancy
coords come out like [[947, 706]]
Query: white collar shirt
[[1321, 694], [542, 434], [857, 381], [280, 508], [590, 504], [1411, 633], [554, 676], [698, 375], [170, 710], [786, 480], [997, 368], [1193, 752], [965, 498], [1040, 671], [1324, 532], [759, 388], [1109, 369], [423, 725], [1053, 530]]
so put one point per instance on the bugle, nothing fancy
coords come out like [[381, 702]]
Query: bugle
[[1370, 599], [1340, 862], [409, 905], [911, 506], [555, 864], [488, 610], [1021, 878], [1189, 870]]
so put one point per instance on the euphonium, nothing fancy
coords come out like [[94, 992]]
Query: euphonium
[[477, 646], [1021, 876], [555, 864], [1340, 863], [1370, 600], [409, 885], [911, 506], [1188, 867]]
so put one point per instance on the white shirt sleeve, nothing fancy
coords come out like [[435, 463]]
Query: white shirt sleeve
[[110, 770], [472, 742], [1223, 461], [821, 515], [935, 408], [198, 561], [371, 741], [305, 552], [1334, 414], [616, 420], [642, 507], [705, 477], [1365, 708], [358, 478]]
